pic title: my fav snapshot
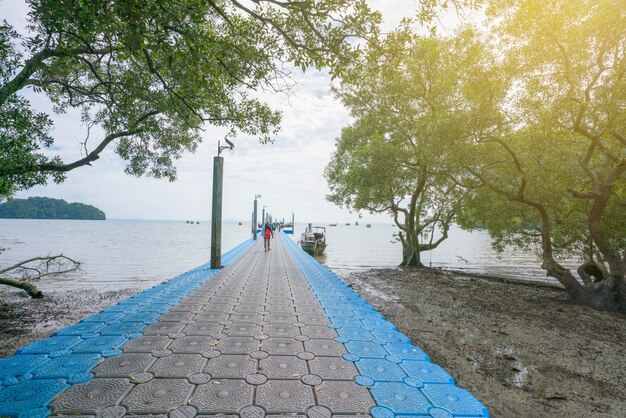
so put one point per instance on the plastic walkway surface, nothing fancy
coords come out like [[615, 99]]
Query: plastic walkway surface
[[272, 334]]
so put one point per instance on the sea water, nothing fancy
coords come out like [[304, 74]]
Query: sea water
[[130, 253]]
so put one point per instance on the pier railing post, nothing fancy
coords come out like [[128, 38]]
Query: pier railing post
[[216, 213]]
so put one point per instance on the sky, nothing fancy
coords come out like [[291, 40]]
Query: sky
[[288, 174]]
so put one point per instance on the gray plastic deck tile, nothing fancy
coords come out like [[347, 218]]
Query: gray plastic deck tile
[[158, 396], [163, 328], [333, 368], [283, 367], [217, 307], [206, 329], [237, 345], [313, 319], [176, 316], [318, 412], [222, 396], [111, 412], [282, 346], [324, 347], [281, 330], [247, 317], [278, 309], [147, 344], [286, 415], [90, 397], [214, 317], [192, 344], [184, 412], [285, 396], [310, 310], [319, 331], [124, 365], [231, 366], [177, 365], [241, 329], [281, 318], [181, 307], [344, 397]]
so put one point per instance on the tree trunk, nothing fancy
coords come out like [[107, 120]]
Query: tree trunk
[[411, 252], [29, 288], [607, 295]]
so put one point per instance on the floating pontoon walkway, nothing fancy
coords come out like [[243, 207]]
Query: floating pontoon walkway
[[272, 334]]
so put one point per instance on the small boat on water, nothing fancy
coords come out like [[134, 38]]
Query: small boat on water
[[332, 224], [240, 223], [347, 223], [356, 223], [368, 225], [313, 239]]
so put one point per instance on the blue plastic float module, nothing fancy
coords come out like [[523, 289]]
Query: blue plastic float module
[[400, 376], [38, 372]]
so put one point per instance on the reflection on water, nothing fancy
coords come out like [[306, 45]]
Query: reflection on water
[[118, 254]]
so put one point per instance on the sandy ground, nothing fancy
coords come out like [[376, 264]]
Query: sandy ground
[[24, 320], [523, 351]]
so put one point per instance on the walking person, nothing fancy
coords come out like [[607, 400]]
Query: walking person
[[267, 233]]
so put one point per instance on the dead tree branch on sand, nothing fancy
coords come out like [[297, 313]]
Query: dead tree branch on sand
[[21, 275]]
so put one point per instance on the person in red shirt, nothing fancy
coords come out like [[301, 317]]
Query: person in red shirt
[[267, 233]]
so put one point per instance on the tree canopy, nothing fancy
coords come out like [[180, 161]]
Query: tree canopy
[[533, 129], [554, 175], [150, 74], [416, 113]]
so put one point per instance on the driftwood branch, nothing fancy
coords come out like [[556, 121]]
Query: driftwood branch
[[21, 274]]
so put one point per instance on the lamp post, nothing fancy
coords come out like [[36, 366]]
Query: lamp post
[[263, 216], [254, 217], [293, 223], [216, 211]]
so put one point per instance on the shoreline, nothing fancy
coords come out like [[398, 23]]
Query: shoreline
[[521, 350]]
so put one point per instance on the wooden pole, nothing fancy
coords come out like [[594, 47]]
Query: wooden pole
[[216, 215], [254, 223]]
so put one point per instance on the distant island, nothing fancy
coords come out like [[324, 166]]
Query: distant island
[[47, 208]]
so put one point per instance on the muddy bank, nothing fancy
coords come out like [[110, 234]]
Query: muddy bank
[[523, 351], [24, 320]]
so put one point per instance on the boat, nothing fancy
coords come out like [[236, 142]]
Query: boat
[[347, 223], [368, 225], [356, 223], [240, 223], [313, 239], [332, 224]]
